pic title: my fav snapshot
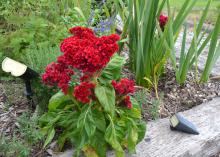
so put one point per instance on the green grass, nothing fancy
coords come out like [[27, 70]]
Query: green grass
[[198, 8], [200, 4]]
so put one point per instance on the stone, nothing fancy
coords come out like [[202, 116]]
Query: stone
[[67, 153]]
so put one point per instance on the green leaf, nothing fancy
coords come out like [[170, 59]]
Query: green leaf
[[141, 126], [57, 100], [86, 121], [132, 137], [99, 144], [214, 51], [106, 97], [50, 137], [111, 138], [99, 119], [89, 152], [113, 69], [47, 118], [135, 111]]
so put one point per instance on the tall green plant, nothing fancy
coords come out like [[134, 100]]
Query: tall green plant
[[150, 47], [193, 52], [189, 58], [213, 53]]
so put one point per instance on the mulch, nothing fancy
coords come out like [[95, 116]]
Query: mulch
[[177, 98]]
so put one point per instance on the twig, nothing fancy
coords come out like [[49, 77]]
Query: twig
[[215, 78], [38, 153]]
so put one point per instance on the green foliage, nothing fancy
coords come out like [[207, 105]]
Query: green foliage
[[154, 108], [106, 97], [214, 51], [142, 97], [28, 129], [189, 58], [38, 57], [13, 147], [150, 48], [26, 136], [113, 70], [147, 49], [28, 23], [101, 124]]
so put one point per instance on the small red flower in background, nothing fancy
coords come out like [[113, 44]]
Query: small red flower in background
[[163, 21], [125, 86], [83, 92], [127, 102]]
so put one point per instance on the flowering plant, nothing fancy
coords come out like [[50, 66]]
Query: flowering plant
[[163, 19], [93, 110]]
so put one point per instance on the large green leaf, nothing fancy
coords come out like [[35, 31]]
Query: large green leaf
[[86, 121], [50, 137], [132, 137], [141, 126], [68, 118], [57, 100], [113, 69], [99, 119], [47, 118], [111, 138], [135, 111], [106, 97], [68, 121], [99, 144]]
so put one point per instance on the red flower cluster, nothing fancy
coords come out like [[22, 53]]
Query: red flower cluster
[[127, 102], [163, 21], [57, 74], [87, 52], [83, 92], [125, 86], [83, 51]]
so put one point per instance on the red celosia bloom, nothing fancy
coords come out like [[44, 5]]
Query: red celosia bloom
[[86, 77], [81, 31], [83, 51], [57, 74], [83, 92], [163, 20], [127, 102], [123, 87], [86, 52]]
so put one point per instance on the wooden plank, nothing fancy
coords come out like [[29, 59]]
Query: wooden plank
[[160, 141]]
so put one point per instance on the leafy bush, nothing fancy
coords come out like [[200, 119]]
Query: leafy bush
[[96, 112], [27, 22], [39, 57]]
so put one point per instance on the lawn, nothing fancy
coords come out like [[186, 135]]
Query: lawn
[[199, 6]]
